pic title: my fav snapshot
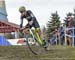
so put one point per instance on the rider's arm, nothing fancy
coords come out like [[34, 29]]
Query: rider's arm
[[21, 24]]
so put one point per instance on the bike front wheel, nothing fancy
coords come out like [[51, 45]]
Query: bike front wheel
[[34, 47]]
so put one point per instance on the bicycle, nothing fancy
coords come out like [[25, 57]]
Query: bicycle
[[36, 48]]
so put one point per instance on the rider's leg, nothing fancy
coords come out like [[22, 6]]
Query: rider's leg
[[40, 41], [38, 35], [38, 32]]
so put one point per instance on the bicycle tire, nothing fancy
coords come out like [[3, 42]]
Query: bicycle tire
[[34, 48]]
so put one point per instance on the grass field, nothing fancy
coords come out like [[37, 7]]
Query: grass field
[[23, 53]]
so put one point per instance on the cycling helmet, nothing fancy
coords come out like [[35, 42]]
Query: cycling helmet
[[22, 9]]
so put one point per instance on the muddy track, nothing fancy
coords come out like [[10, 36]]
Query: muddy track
[[23, 53]]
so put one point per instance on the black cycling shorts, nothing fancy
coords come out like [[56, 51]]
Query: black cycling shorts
[[34, 24]]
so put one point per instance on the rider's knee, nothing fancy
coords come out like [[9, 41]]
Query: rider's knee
[[26, 30], [37, 30]]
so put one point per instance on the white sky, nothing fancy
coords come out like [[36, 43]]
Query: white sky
[[42, 9]]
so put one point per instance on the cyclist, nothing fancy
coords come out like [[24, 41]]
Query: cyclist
[[32, 21]]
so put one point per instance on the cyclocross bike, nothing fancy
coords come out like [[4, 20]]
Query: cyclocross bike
[[37, 47]]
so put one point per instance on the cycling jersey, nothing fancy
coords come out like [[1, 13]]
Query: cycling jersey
[[29, 17]]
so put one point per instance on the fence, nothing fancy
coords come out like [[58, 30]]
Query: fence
[[71, 35], [57, 38]]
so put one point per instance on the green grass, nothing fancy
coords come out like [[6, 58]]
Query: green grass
[[23, 53]]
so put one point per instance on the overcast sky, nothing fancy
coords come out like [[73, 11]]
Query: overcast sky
[[42, 9]]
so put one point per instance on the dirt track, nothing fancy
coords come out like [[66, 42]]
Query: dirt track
[[23, 53]]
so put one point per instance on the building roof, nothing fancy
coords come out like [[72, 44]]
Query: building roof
[[10, 23], [6, 26]]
